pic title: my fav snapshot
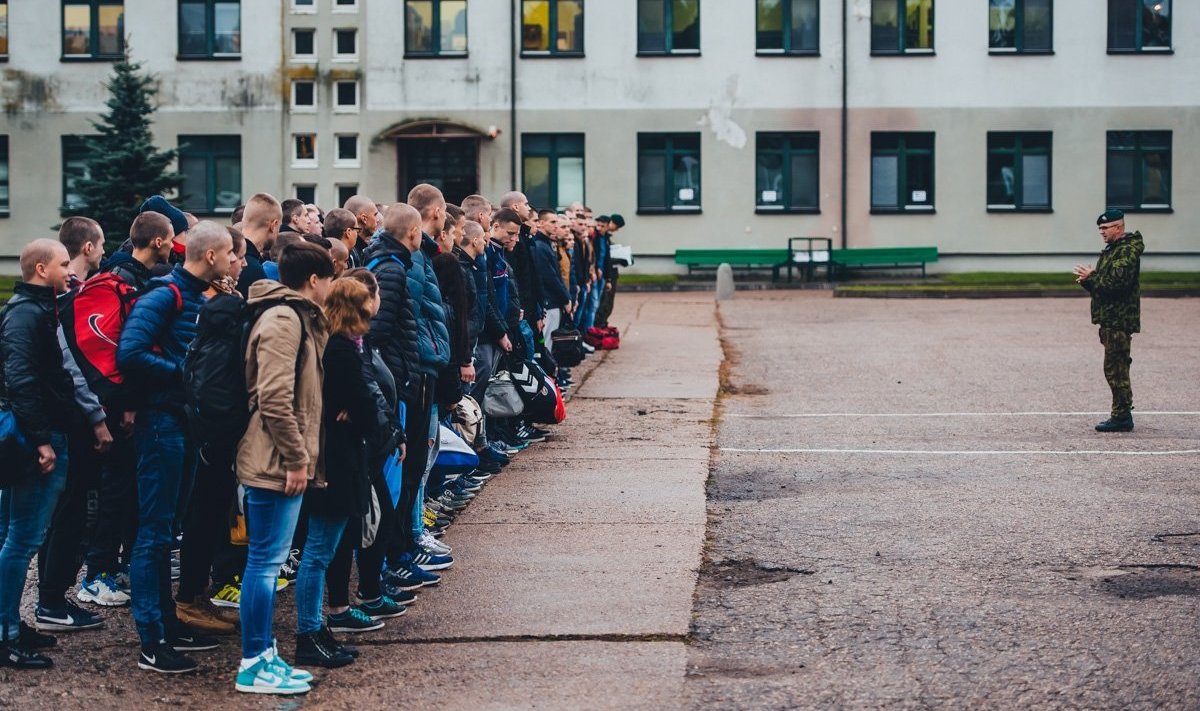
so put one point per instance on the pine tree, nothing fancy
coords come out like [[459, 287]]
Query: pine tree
[[123, 165]]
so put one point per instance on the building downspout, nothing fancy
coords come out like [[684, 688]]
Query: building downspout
[[845, 117], [512, 96]]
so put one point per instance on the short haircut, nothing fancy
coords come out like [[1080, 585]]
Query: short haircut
[[400, 219], [239, 239], [365, 277], [77, 232], [473, 206], [261, 210], [543, 214], [238, 213], [337, 221], [348, 307], [513, 198], [147, 227], [284, 240], [472, 230], [357, 204], [319, 241], [454, 213], [39, 251], [291, 207], [425, 198], [203, 236], [302, 260], [337, 250], [506, 215]]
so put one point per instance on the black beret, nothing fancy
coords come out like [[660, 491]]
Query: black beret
[[1112, 214]]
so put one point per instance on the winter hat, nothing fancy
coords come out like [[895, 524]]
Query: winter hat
[[160, 205]]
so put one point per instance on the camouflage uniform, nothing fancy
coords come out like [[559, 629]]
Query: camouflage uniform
[[1116, 308]]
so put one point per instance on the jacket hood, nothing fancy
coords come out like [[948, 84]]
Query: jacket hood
[[268, 290], [383, 244], [1136, 242], [123, 258]]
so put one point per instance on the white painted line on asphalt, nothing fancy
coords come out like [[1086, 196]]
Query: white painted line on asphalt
[[1139, 413], [967, 452]]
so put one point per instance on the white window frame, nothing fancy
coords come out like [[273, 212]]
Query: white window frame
[[303, 9], [351, 108], [303, 58], [341, 162], [297, 162], [345, 9], [305, 108], [345, 57]]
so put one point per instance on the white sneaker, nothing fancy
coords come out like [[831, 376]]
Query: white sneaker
[[268, 676], [433, 545], [102, 590]]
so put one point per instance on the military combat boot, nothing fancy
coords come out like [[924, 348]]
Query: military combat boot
[[1116, 424]]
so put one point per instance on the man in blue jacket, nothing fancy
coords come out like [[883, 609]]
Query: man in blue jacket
[[555, 298], [153, 344]]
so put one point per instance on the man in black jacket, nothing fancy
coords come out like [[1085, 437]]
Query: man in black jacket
[[521, 260], [40, 394], [260, 226], [394, 328], [555, 298]]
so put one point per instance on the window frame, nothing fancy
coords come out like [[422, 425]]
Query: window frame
[[305, 108], [298, 9], [4, 54], [66, 141], [93, 32], [340, 108], [6, 181], [901, 50], [1020, 47], [1018, 152], [347, 189], [436, 51], [294, 56], [1139, 33], [213, 152], [904, 206], [339, 56], [1139, 152], [787, 152], [671, 191], [554, 52], [554, 155], [346, 8], [296, 191], [296, 160], [668, 33], [210, 11], [338, 161], [787, 50]]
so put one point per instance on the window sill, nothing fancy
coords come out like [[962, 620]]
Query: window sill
[[1002, 52], [673, 53], [209, 58], [669, 211], [344, 58], [903, 211], [905, 53], [342, 110], [1151, 51], [1164, 210], [311, 165], [439, 55], [1013, 210], [86, 59], [762, 210], [536, 54], [787, 53], [304, 110]]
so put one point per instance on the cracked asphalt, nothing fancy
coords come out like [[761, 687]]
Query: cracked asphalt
[[977, 560]]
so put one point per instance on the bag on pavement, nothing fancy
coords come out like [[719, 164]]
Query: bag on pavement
[[567, 346], [502, 397]]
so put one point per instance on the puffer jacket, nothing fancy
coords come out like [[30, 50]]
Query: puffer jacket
[[1115, 285], [475, 277], [155, 338], [433, 336], [548, 272], [131, 271], [33, 381], [285, 431], [394, 328]]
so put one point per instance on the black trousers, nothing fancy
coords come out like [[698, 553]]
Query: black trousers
[[206, 523], [370, 559], [416, 430], [62, 551], [111, 541]]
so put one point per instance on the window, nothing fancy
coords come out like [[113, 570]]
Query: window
[[1139, 26], [210, 28], [345, 6], [74, 169], [435, 28], [347, 150], [788, 170], [304, 6], [93, 29], [4, 176], [344, 193], [346, 95], [668, 172], [901, 26], [306, 193], [901, 172], [788, 27], [1020, 26], [304, 150], [212, 173], [552, 27], [304, 95], [1139, 170], [4, 43], [345, 44], [304, 44], [552, 168], [668, 26], [1018, 171]]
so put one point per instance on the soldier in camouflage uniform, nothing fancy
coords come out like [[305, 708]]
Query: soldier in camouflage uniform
[[1116, 309]]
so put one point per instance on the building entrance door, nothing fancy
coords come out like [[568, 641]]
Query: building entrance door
[[450, 164]]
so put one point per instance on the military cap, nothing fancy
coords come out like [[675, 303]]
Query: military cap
[[1112, 214], [618, 220], [603, 218]]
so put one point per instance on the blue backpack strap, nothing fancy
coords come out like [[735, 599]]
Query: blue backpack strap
[[377, 260]]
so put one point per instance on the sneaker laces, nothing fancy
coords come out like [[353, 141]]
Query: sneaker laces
[[105, 581], [359, 616]]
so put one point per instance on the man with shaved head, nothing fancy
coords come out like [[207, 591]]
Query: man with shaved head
[[368, 217], [153, 345], [429, 201], [520, 258], [342, 226], [477, 208], [260, 225]]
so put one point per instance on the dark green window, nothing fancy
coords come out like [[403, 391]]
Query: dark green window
[[1018, 171], [552, 169], [212, 173], [788, 172], [668, 26], [210, 28], [1139, 26], [1021, 26], [1139, 170], [552, 27], [435, 28], [901, 172], [3, 175], [788, 27], [3, 28], [668, 172], [901, 26], [74, 168], [93, 29]]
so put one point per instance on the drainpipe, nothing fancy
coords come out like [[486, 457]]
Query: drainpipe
[[845, 116], [512, 96]]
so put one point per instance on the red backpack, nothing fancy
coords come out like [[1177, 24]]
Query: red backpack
[[92, 318]]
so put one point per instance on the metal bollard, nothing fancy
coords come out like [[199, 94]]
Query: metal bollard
[[724, 282]]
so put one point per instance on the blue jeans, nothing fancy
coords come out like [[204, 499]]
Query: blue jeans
[[25, 513], [271, 522], [589, 316], [324, 534], [527, 337], [418, 526], [165, 467]]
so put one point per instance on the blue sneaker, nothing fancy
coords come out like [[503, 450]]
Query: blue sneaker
[[102, 590], [265, 676], [428, 561], [494, 453], [409, 576], [384, 608], [68, 618]]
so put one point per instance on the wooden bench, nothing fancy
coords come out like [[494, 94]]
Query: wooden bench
[[702, 259], [844, 260]]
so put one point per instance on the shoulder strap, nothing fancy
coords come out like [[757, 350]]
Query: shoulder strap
[[378, 260]]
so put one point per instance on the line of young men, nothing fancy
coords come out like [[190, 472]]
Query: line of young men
[[455, 289]]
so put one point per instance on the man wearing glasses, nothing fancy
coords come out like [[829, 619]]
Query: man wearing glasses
[[342, 226], [1116, 309]]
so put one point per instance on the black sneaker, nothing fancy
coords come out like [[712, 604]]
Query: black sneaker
[[32, 639], [291, 567], [1116, 424], [327, 635], [18, 655], [163, 659], [314, 650], [68, 618], [185, 639]]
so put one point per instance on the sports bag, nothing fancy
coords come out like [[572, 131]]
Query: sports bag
[[542, 397], [567, 346], [370, 520], [502, 397], [467, 419]]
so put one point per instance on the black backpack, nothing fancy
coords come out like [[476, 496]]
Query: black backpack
[[214, 372], [567, 346]]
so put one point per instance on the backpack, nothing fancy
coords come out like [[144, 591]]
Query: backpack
[[92, 318], [567, 346], [214, 371]]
